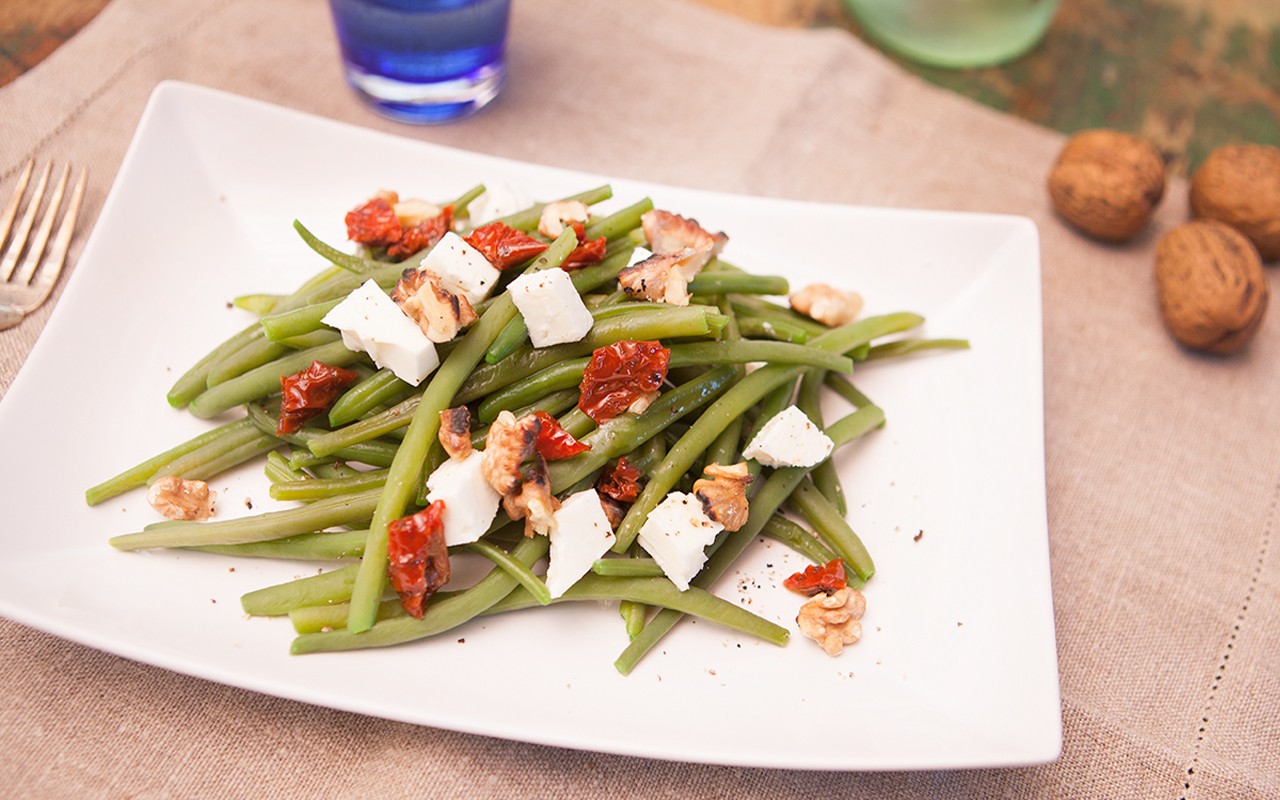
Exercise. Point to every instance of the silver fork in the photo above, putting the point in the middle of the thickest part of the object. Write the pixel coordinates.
(25, 285)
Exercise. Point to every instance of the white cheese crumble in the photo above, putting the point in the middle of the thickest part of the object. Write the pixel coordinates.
(581, 534)
(470, 503)
(552, 309)
(675, 534)
(462, 269)
(789, 439)
(371, 322)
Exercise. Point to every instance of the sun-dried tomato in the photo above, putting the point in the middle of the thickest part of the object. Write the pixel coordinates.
(587, 252)
(417, 557)
(374, 224)
(619, 373)
(621, 481)
(554, 442)
(423, 235)
(305, 394)
(827, 578)
(503, 245)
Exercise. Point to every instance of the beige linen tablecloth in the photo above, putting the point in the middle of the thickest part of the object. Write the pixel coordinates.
(1163, 466)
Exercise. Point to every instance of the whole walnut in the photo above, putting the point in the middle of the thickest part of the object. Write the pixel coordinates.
(1107, 183)
(1211, 287)
(1239, 184)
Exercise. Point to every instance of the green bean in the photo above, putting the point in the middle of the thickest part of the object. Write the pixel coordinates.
(378, 389)
(264, 380)
(335, 469)
(847, 390)
(279, 470)
(833, 528)
(139, 475)
(318, 488)
(293, 322)
(323, 619)
(315, 338)
(905, 346)
(750, 307)
(776, 489)
(278, 600)
(738, 283)
(624, 433)
(195, 380)
(527, 219)
(633, 616)
(258, 304)
(441, 615)
(620, 222)
(373, 452)
(202, 470)
(324, 546)
(402, 481)
(783, 530)
(523, 575)
(464, 200)
(254, 354)
(825, 476)
(757, 328)
(351, 509)
(631, 567)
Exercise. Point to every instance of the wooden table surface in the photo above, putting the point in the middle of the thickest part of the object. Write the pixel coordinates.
(1187, 74)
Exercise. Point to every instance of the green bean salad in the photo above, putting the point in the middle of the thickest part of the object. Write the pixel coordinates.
(599, 404)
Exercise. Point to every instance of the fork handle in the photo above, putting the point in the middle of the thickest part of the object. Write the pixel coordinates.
(10, 316)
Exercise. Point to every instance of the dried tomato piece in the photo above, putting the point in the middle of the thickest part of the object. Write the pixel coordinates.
(417, 557)
(554, 442)
(827, 578)
(587, 252)
(305, 394)
(621, 482)
(619, 373)
(374, 224)
(423, 235)
(503, 245)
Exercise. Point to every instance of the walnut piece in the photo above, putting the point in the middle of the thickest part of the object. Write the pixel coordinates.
(439, 312)
(833, 620)
(510, 443)
(455, 432)
(532, 500)
(671, 233)
(1239, 184)
(827, 304)
(659, 278)
(641, 404)
(414, 211)
(1107, 183)
(177, 498)
(556, 215)
(724, 494)
(1211, 287)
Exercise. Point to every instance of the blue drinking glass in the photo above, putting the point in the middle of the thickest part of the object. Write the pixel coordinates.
(423, 61)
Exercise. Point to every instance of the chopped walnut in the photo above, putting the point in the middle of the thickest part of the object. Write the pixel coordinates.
(176, 498)
(390, 195)
(833, 620)
(455, 432)
(641, 404)
(614, 510)
(724, 494)
(556, 215)
(439, 312)
(658, 278)
(510, 443)
(532, 501)
(827, 304)
(671, 233)
(414, 211)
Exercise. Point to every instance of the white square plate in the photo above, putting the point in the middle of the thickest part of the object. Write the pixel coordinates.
(958, 664)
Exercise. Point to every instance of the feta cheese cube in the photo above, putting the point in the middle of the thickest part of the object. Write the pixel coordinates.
(371, 322)
(581, 534)
(789, 439)
(552, 309)
(462, 269)
(498, 200)
(470, 503)
(675, 534)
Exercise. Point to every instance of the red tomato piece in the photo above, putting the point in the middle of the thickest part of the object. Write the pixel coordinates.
(503, 245)
(305, 394)
(619, 373)
(423, 235)
(417, 558)
(554, 442)
(827, 578)
(374, 224)
(621, 482)
(586, 253)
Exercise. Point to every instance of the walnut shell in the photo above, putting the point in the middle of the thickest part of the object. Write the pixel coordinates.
(1107, 183)
(1212, 291)
(1239, 184)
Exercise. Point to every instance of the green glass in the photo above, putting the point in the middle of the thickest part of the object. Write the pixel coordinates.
(955, 33)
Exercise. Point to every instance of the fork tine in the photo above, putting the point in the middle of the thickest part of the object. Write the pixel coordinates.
(36, 249)
(11, 208)
(62, 240)
(24, 226)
